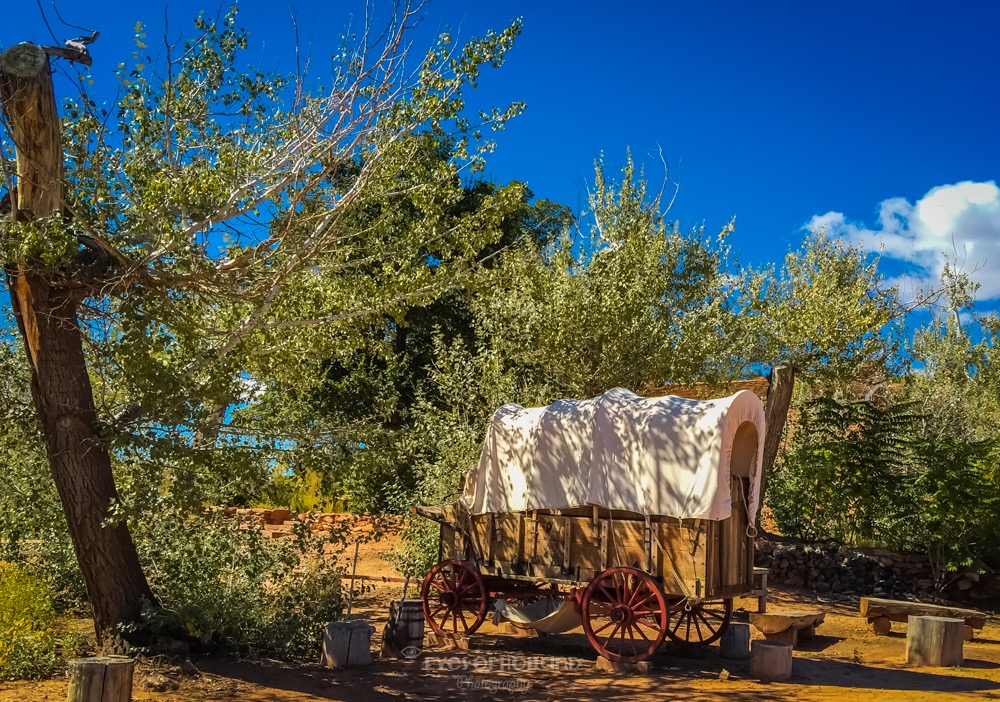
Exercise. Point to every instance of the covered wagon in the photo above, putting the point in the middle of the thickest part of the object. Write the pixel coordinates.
(629, 516)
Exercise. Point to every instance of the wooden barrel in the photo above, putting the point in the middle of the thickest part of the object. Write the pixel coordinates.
(407, 621)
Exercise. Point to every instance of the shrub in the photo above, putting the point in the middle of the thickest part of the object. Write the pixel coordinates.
(30, 645)
(850, 475)
(866, 475)
(419, 550)
(960, 505)
(237, 590)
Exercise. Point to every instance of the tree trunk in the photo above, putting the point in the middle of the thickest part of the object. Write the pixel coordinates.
(46, 314)
(779, 397)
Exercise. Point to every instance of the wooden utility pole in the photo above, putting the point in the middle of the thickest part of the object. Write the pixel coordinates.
(779, 398)
(45, 304)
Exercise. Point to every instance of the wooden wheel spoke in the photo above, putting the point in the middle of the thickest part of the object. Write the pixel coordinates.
(446, 580)
(635, 606)
(640, 631)
(465, 624)
(648, 610)
(631, 640)
(626, 591)
(697, 626)
(680, 620)
(654, 625)
(614, 631)
(709, 620)
(711, 628)
(612, 598)
(598, 631)
(638, 590)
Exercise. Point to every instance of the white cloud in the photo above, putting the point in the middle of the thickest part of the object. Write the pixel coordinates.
(960, 222)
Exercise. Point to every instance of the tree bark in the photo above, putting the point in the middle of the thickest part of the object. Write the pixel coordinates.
(779, 397)
(46, 314)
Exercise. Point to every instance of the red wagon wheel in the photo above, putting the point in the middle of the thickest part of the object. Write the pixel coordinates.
(454, 598)
(624, 614)
(700, 623)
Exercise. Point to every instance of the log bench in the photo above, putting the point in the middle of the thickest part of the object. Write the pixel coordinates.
(882, 613)
(788, 626)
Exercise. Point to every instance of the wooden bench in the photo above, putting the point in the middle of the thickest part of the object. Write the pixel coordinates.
(882, 613)
(788, 626)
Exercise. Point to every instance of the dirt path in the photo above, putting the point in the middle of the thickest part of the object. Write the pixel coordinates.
(845, 662)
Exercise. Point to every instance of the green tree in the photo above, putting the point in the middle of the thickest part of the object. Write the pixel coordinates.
(956, 385)
(205, 238)
(623, 299)
(828, 313)
(957, 382)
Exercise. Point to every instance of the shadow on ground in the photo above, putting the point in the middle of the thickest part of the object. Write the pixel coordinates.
(562, 668)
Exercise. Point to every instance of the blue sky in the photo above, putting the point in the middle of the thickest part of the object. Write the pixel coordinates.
(777, 113)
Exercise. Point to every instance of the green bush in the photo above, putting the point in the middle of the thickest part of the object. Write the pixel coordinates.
(960, 505)
(237, 590)
(849, 476)
(30, 644)
(867, 475)
(419, 550)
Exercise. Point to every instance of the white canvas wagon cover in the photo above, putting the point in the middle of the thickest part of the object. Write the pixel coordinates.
(666, 456)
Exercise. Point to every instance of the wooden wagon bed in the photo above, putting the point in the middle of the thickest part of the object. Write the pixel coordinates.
(699, 559)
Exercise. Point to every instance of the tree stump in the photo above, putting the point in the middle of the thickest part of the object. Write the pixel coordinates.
(346, 644)
(100, 679)
(770, 661)
(735, 643)
(935, 641)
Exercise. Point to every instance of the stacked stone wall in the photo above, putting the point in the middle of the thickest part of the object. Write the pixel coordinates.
(835, 568)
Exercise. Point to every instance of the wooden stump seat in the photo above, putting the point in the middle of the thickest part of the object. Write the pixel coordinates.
(788, 626)
(100, 679)
(934, 641)
(882, 613)
(770, 661)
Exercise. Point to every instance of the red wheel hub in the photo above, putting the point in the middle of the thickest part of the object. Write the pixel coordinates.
(621, 615)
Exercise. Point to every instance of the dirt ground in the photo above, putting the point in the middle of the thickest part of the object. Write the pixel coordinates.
(844, 662)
